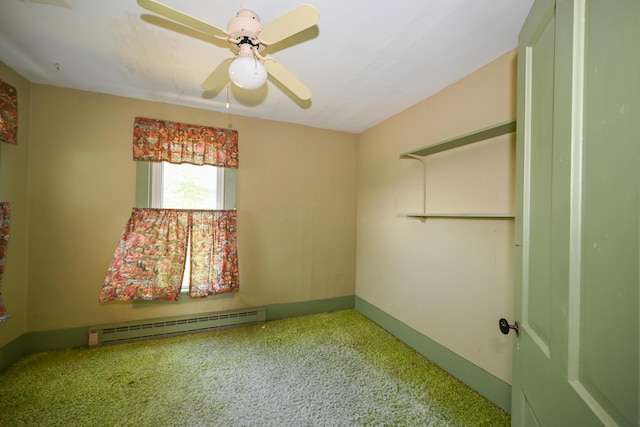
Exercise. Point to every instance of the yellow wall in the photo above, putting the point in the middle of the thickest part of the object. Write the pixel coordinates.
(13, 189)
(298, 190)
(450, 279)
(296, 194)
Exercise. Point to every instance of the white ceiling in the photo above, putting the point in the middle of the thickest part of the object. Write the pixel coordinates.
(364, 62)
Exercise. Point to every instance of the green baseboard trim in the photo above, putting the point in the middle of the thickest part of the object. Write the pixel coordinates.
(34, 342)
(12, 352)
(489, 386)
(58, 339)
(305, 308)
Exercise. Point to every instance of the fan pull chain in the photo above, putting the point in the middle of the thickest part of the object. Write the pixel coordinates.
(227, 96)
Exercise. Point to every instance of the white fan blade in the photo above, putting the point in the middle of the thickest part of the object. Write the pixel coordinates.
(284, 76)
(218, 78)
(182, 18)
(299, 19)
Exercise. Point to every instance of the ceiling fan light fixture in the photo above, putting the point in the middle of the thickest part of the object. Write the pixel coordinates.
(247, 72)
(249, 39)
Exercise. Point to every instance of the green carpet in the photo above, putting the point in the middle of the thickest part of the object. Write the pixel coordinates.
(334, 369)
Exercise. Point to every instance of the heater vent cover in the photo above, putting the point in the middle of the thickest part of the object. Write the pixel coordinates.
(156, 328)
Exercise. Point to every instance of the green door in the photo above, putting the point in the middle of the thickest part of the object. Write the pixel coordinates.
(576, 360)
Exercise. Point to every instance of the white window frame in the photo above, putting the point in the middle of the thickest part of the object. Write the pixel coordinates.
(157, 179)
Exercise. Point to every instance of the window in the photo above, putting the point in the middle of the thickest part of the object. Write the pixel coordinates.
(184, 186)
(194, 184)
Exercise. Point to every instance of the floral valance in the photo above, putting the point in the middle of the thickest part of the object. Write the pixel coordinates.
(8, 113)
(165, 141)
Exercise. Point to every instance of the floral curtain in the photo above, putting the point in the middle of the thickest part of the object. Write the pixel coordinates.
(214, 255)
(158, 141)
(5, 213)
(149, 260)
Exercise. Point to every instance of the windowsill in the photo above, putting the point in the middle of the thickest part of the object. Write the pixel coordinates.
(183, 300)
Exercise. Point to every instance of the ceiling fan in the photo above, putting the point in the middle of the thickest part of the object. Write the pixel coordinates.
(248, 39)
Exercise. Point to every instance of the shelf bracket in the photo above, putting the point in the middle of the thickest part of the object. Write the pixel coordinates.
(422, 160)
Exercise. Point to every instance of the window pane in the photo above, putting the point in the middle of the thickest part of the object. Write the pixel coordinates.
(187, 186)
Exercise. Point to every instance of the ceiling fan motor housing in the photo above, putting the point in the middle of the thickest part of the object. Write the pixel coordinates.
(244, 29)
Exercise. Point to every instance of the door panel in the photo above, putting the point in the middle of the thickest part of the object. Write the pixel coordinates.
(530, 419)
(537, 284)
(578, 215)
(533, 222)
(608, 362)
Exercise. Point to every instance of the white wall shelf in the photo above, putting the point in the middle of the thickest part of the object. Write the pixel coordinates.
(459, 215)
(459, 141)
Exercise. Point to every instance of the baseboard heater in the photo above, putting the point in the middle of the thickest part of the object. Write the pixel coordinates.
(171, 326)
